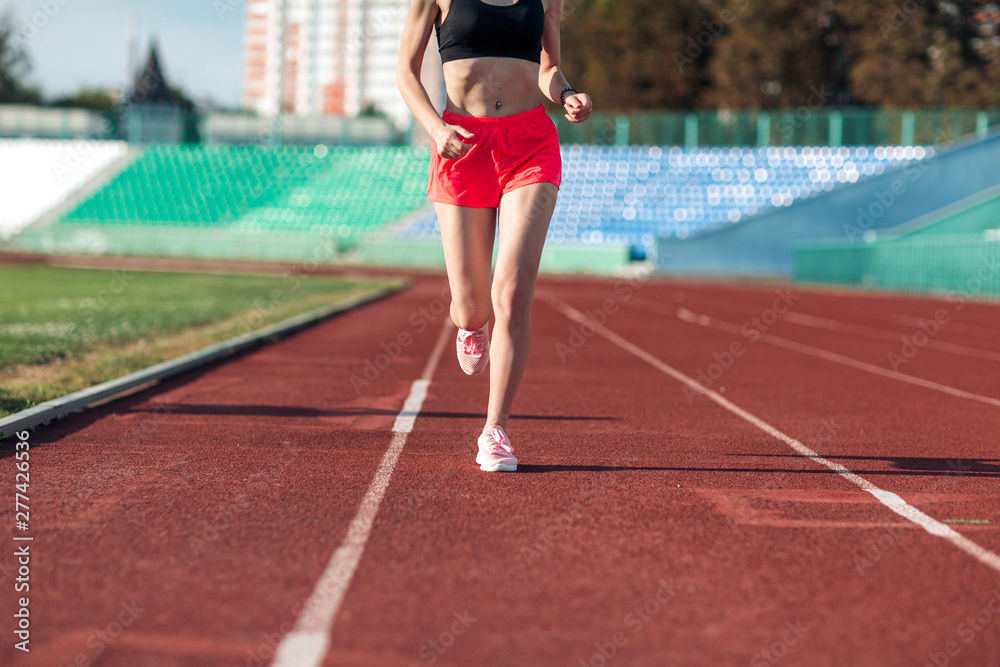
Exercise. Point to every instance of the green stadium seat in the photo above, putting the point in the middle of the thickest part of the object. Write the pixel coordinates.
(355, 190)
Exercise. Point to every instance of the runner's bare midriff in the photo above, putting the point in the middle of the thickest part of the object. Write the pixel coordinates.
(475, 85)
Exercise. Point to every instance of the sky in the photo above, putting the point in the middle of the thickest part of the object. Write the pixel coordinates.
(77, 43)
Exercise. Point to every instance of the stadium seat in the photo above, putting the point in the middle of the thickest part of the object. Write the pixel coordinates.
(350, 190)
(630, 195)
(611, 195)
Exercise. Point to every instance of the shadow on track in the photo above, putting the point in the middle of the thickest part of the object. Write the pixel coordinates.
(968, 469)
(954, 465)
(916, 465)
(291, 411)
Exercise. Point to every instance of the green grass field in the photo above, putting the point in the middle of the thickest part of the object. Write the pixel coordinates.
(63, 329)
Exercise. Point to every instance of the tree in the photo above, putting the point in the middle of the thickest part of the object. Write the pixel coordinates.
(635, 54)
(88, 98)
(15, 65)
(920, 54)
(182, 98)
(782, 53)
(657, 54)
(372, 110)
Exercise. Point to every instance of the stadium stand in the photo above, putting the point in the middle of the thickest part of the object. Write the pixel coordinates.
(37, 175)
(696, 209)
(629, 196)
(290, 188)
(273, 202)
(21, 121)
(251, 202)
(766, 245)
(953, 249)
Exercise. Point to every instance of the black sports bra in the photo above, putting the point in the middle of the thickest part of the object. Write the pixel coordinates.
(474, 29)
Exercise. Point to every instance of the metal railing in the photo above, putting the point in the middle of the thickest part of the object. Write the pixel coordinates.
(849, 126)
(783, 127)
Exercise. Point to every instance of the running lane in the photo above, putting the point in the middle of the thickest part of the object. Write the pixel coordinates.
(937, 450)
(647, 526)
(187, 525)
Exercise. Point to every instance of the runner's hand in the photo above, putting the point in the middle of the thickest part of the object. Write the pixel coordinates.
(577, 107)
(448, 141)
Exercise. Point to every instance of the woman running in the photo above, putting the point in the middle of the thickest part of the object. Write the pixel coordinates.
(495, 163)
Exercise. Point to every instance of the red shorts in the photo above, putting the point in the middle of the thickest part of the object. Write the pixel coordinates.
(507, 153)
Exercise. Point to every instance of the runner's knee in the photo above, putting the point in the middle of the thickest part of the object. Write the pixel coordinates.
(469, 313)
(512, 300)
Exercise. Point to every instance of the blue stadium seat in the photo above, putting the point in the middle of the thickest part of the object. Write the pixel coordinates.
(630, 195)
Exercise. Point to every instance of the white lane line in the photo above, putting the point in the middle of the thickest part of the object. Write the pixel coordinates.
(686, 315)
(712, 323)
(887, 498)
(882, 334)
(306, 645)
(984, 332)
(828, 324)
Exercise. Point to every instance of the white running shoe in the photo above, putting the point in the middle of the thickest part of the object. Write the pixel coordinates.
(473, 349)
(496, 454)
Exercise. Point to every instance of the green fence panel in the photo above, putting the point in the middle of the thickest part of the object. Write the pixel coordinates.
(846, 126)
(967, 265)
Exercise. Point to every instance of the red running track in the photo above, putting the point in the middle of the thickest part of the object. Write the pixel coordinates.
(648, 524)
